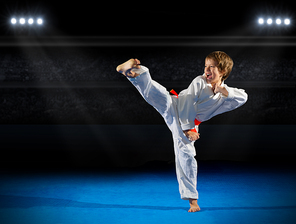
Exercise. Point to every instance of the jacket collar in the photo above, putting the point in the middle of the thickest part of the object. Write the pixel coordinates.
(208, 84)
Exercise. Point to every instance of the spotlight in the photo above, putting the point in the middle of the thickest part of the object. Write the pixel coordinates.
(31, 21)
(278, 21)
(13, 21)
(40, 21)
(269, 21)
(22, 21)
(260, 21)
(287, 21)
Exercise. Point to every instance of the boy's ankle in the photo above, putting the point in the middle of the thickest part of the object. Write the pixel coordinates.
(127, 68)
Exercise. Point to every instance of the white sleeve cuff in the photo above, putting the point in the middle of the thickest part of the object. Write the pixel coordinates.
(230, 93)
(188, 126)
(140, 70)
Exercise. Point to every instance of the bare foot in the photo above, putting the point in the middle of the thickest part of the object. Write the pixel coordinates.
(193, 206)
(126, 68)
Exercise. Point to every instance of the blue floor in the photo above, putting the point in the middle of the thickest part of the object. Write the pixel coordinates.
(229, 193)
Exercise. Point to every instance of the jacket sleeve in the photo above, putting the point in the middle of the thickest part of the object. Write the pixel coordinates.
(236, 98)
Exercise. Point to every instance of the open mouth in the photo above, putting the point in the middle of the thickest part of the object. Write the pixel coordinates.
(209, 76)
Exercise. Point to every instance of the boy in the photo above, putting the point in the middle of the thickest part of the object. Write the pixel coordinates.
(206, 96)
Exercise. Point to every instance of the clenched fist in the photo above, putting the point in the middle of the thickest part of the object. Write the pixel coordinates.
(191, 135)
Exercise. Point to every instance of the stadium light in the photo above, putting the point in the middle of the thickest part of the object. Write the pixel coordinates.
(22, 21)
(287, 21)
(31, 21)
(13, 21)
(269, 21)
(278, 21)
(261, 21)
(25, 21)
(39, 21)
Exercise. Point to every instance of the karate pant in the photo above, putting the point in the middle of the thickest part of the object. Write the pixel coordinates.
(186, 166)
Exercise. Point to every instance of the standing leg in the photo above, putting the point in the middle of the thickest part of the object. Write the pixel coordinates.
(186, 170)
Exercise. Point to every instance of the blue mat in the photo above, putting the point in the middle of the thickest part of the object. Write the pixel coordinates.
(229, 193)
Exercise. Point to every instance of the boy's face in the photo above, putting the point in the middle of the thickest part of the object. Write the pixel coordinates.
(213, 75)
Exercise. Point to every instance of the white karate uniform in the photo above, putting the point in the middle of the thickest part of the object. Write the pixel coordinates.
(196, 102)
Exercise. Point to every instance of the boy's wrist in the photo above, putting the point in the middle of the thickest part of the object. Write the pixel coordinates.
(224, 91)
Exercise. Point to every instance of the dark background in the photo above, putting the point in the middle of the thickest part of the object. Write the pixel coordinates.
(149, 18)
(63, 104)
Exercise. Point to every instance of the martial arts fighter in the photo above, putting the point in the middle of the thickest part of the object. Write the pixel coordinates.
(206, 96)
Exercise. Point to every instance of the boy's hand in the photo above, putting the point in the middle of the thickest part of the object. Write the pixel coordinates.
(217, 88)
(191, 135)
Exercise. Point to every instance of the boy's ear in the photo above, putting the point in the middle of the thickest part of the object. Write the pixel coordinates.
(223, 72)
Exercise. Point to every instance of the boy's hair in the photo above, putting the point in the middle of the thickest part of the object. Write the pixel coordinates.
(225, 63)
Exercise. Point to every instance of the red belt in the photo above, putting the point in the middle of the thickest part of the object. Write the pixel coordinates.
(196, 122)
